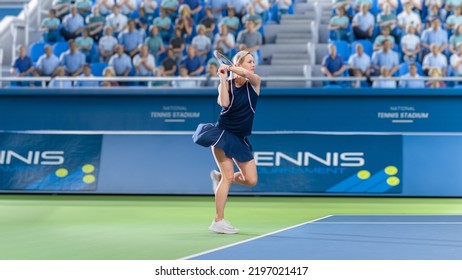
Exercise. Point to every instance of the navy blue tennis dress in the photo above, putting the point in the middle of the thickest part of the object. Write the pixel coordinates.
(233, 126)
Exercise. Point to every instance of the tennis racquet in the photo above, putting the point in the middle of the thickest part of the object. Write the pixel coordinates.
(223, 59)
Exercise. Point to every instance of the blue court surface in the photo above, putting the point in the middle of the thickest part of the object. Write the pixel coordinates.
(354, 237)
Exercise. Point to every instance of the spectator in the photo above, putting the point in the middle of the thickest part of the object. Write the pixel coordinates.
(177, 44)
(171, 8)
(363, 24)
(451, 5)
(187, 82)
(360, 62)
(150, 7)
(434, 35)
(261, 8)
(332, 64)
(95, 23)
(193, 62)
(163, 22)
(339, 25)
(121, 62)
(50, 28)
(169, 65)
(250, 40)
(217, 7)
(357, 83)
(456, 61)
(154, 43)
(455, 39)
(127, 6)
(107, 45)
(455, 19)
(85, 45)
(251, 15)
(185, 22)
(435, 60)
(61, 7)
(60, 72)
(415, 4)
(72, 25)
(86, 74)
(410, 45)
(22, 66)
(131, 39)
(410, 80)
(239, 7)
(385, 35)
(83, 7)
(388, 18)
(47, 63)
(385, 74)
(284, 5)
(407, 16)
(202, 43)
(209, 22)
(335, 4)
(141, 22)
(109, 72)
(116, 20)
(435, 73)
(196, 8)
(434, 12)
(224, 40)
(385, 57)
(357, 6)
(105, 6)
(211, 72)
(144, 63)
(231, 21)
(393, 4)
(72, 60)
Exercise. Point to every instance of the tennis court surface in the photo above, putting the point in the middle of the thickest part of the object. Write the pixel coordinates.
(355, 237)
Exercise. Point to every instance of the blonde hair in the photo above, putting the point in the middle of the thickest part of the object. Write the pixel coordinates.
(239, 57)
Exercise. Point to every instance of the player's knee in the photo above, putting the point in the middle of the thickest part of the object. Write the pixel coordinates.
(228, 178)
(251, 181)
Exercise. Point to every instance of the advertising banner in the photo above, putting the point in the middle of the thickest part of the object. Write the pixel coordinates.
(49, 162)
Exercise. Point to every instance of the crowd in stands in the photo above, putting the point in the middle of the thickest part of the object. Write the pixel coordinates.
(394, 38)
(163, 38)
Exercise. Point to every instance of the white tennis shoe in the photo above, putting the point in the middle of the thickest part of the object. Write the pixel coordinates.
(223, 226)
(216, 177)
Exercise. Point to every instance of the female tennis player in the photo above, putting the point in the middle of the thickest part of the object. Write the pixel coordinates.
(237, 95)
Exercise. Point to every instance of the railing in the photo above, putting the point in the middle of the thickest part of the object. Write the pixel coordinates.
(43, 81)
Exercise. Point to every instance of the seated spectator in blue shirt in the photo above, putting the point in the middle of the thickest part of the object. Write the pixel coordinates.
(83, 7)
(155, 43)
(384, 74)
(116, 20)
(339, 25)
(409, 81)
(211, 72)
(193, 62)
(186, 82)
(144, 64)
(141, 22)
(73, 60)
(47, 63)
(72, 24)
(121, 62)
(170, 7)
(85, 45)
(60, 72)
(231, 20)
(434, 35)
(202, 43)
(107, 45)
(150, 6)
(387, 17)
(22, 67)
(131, 39)
(455, 39)
(224, 40)
(456, 61)
(384, 35)
(357, 6)
(50, 28)
(86, 74)
(332, 64)
(127, 6)
(239, 7)
(61, 7)
(385, 57)
(363, 24)
(251, 15)
(435, 60)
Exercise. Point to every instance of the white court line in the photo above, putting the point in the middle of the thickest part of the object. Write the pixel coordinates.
(252, 239)
(190, 132)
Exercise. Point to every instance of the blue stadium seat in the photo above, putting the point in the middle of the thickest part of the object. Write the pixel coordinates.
(36, 50)
(367, 45)
(97, 68)
(343, 49)
(60, 47)
(404, 68)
